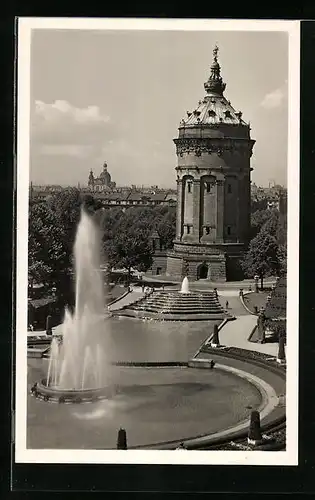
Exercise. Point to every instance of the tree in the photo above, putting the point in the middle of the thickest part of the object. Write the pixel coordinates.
(281, 236)
(47, 255)
(52, 230)
(166, 228)
(108, 222)
(129, 246)
(262, 258)
(258, 219)
(67, 206)
(259, 204)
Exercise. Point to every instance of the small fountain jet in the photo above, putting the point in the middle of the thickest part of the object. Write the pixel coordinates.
(185, 286)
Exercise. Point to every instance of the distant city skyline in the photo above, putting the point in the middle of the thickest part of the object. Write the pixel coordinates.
(271, 184)
(118, 96)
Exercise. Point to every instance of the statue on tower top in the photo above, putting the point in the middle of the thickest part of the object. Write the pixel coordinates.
(214, 84)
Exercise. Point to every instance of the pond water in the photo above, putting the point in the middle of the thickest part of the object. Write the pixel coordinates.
(154, 404)
(135, 340)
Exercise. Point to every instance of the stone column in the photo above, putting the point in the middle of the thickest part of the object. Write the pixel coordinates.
(238, 212)
(179, 209)
(220, 210)
(248, 212)
(196, 210)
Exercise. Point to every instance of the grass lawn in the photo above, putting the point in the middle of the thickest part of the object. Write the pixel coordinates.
(255, 299)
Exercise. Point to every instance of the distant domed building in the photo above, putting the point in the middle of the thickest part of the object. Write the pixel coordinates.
(213, 148)
(101, 183)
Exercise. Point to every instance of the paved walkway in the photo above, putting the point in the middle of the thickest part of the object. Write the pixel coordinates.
(127, 299)
(235, 306)
(235, 334)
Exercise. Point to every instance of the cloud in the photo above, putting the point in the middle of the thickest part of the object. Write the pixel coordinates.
(59, 110)
(275, 98)
(60, 123)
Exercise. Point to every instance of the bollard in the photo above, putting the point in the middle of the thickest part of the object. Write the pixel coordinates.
(49, 325)
(122, 439)
(281, 351)
(215, 338)
(254, 432)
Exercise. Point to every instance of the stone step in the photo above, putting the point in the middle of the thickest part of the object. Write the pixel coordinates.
(179, 299)
(184, 296)
(177, 306)
(175, 302)
(180, 306)
(205, 316)
(175, 311)
(168, 293)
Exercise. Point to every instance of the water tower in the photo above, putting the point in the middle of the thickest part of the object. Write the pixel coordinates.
(213, 149)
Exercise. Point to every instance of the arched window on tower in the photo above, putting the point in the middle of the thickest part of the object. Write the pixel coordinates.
(208, 187)
(229, 188)
(189, 185)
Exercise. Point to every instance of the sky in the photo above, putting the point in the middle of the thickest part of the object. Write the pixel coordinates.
(119, 96)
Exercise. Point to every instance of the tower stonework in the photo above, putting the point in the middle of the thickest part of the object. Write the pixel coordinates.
(213, 148)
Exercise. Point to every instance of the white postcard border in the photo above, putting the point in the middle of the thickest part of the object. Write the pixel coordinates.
(24, 455)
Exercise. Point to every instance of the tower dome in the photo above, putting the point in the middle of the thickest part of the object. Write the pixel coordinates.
(214, 109)
(105, 176)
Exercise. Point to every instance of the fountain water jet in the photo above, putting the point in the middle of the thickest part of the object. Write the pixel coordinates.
(185, 286)
(77, 362)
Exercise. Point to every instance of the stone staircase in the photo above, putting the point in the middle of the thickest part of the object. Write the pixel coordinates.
(174, 305)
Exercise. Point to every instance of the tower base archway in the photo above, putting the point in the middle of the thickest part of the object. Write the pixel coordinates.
(202, 271)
